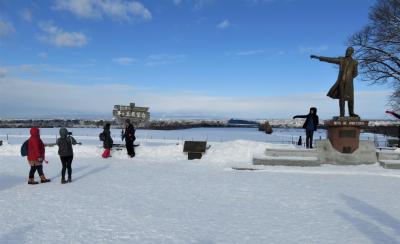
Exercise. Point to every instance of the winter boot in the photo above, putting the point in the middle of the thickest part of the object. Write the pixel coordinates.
(63, 181)
(69, 180)
(32, 181)
(43, 179)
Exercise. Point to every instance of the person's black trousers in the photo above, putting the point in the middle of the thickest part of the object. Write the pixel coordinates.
(130, 148)
(39, 169)
(309, 138)
(66, 162)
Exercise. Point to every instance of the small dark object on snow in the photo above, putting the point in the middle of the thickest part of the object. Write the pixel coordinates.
(50, 144)
(244, 168)
(195, 149)
(1, 143)
(299, 142)
(119, 147)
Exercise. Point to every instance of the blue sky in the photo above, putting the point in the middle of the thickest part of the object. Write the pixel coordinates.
(239, 58)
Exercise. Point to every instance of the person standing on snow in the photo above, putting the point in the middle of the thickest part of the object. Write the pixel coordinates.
(36, 156)
(310, 125)
(66, 153)
(129, 136)
(108, 141)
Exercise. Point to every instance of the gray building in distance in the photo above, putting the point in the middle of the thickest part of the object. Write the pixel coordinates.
(139, 116)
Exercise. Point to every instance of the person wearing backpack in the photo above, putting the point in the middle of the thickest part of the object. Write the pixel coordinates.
(310, 125)
(66, 153)
(107, 142)
(36, 156)
(129, 136)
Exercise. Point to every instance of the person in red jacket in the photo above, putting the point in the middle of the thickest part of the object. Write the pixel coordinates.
(36, 157)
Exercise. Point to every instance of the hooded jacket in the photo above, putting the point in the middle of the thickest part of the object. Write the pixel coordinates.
(65, 143)
(311, 116)
(129, 134)
(35, 147)
(108, 141)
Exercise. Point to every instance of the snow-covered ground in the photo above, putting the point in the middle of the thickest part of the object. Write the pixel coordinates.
(160, 197)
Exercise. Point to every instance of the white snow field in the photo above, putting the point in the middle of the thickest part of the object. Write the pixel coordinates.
(161, 197)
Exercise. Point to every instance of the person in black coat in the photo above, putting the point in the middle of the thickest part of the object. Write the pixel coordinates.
(66, 153)
(310, 125)
(108, 141)
(129, 136)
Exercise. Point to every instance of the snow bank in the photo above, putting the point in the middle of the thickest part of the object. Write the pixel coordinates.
(222, 153)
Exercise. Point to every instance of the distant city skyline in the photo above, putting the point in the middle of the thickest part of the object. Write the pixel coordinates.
(208, 58)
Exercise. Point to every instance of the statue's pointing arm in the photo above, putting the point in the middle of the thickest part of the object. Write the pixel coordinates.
(327, 59)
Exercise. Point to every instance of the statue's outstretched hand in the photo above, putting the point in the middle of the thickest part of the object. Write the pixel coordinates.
(313, 56)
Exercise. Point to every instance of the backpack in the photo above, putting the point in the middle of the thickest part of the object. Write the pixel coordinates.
(65, 146)
(102, 137)
(24, 148)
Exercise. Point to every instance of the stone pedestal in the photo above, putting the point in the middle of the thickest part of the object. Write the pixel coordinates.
(344, 133)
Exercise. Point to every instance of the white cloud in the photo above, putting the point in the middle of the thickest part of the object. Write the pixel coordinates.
(60, 38)
(224, 24)
(177, 2)
(3, 72)
(280, 53)
(29, 97)
(36, 68)
(114, 9)
(42, 55)
(309, 49)
(6, 28)
(196, 4)
(254, 52)
(250, 52)
(261, 1)
(124, 61)
(160, 59)
(199, 4)
(26, 15)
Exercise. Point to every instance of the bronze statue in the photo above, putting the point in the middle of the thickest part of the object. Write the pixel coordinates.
(343, 89)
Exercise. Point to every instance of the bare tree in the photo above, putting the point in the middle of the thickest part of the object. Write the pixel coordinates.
(377, 47)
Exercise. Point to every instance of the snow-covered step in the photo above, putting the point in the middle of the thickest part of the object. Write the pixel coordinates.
(390, 164)
(388, 155)
(286, 161)
(297, 152)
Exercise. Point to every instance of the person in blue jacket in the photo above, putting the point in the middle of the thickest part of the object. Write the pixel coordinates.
(310, 125)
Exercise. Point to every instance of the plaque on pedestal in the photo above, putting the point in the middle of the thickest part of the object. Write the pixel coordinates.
(344, 133)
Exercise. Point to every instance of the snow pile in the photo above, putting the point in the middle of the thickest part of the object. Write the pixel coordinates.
(223, 153)
(233, 152)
